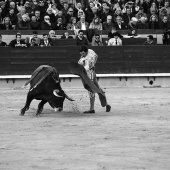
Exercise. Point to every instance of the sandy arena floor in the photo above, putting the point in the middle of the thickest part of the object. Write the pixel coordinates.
(135, 135)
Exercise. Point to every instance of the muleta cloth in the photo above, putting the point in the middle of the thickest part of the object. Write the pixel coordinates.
(88, 84)
(40, 74)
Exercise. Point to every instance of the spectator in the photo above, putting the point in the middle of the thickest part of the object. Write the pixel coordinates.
(28, 9)
(41, 7)
(72, 25)
(38, 16)
(33, 43)
(108, 24)
(112, 33)
(35, 36)
(19, 15)
(105, 12)
(2, 44)
(13, 18)
(1, 15)
(96, 24)
(60, 15)
(117, 13)
(79, 14)
(66, 35)
(164, 24)
(6, 24)
(52, 35)
(142, 24)
(82, 24)
(46, 24)
(24, 23)
(166, 7)
(149, 40)
(65, 8)
(59, 24)
(96, 40)
(13, 6)
(81, 40)
(132, 34)
(146, 6)
(69, 15)
(154, 8)
(46, 41)
(133, 24)
(153, 22)
(119, 25)
(166, 37)
(141, 14)
(34, 25)
(116, 41)
(18, 42)
(127, 16)
(54, 9)
(20, 5)
(163, 13)
(51, 15)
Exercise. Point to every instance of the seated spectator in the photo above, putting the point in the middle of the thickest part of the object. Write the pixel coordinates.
(46, 41)
(69, 15)
(2, 44)
(127, 16)
(149, 40)
(20, 14)
(60, 15)
(24, 23)
(108, 25)
(33, 43)
(35, 36)
(133, 24)
(28, 9)
(116, 41)
(119, 24)
(153, 22)
(96, 40)
(59, 24)
(13, 18)
(72, 25)
(51, 15)
(20, 5)
(52, 35)
(164, 24)
(117, 13)
(54, 9)
(96, 24)
(66, 35)
(38, 16)
(132, 34)
(82, 24)
(112, 32)
(34, 24)
(142, 24)
(81, 40)
(18, 42)
(1, 15)
(6, 24)
(46, 24)
(140, 14)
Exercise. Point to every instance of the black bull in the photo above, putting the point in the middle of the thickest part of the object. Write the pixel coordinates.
(45, 86)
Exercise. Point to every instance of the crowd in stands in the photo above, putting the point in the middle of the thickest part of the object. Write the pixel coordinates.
(82, 15)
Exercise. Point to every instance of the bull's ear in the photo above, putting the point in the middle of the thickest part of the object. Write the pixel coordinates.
(55, 92)
(68, 97)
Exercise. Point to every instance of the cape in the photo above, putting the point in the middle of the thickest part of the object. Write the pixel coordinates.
(89, 85)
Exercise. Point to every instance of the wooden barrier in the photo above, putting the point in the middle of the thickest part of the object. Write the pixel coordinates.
(112, 60)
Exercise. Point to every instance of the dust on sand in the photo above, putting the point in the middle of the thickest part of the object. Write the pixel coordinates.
(134, 135)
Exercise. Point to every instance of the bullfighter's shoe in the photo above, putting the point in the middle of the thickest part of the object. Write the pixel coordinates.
(89, 111)
(108, 108)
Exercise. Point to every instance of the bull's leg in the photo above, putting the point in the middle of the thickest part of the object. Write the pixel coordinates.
(40, 107)
(27, 104)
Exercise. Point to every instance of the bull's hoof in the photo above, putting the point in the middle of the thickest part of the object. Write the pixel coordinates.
(37, 115)
(22, 113)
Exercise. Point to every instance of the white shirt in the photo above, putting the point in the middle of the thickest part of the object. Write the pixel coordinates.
(83, 26)
(115, 42)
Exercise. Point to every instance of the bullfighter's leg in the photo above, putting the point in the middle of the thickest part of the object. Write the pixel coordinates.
(27, 104)
(40, 107)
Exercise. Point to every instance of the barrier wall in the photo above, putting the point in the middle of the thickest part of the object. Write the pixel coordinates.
(112, 60)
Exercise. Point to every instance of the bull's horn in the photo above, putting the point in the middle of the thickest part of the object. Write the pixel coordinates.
(68, 97)
(55, 92)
